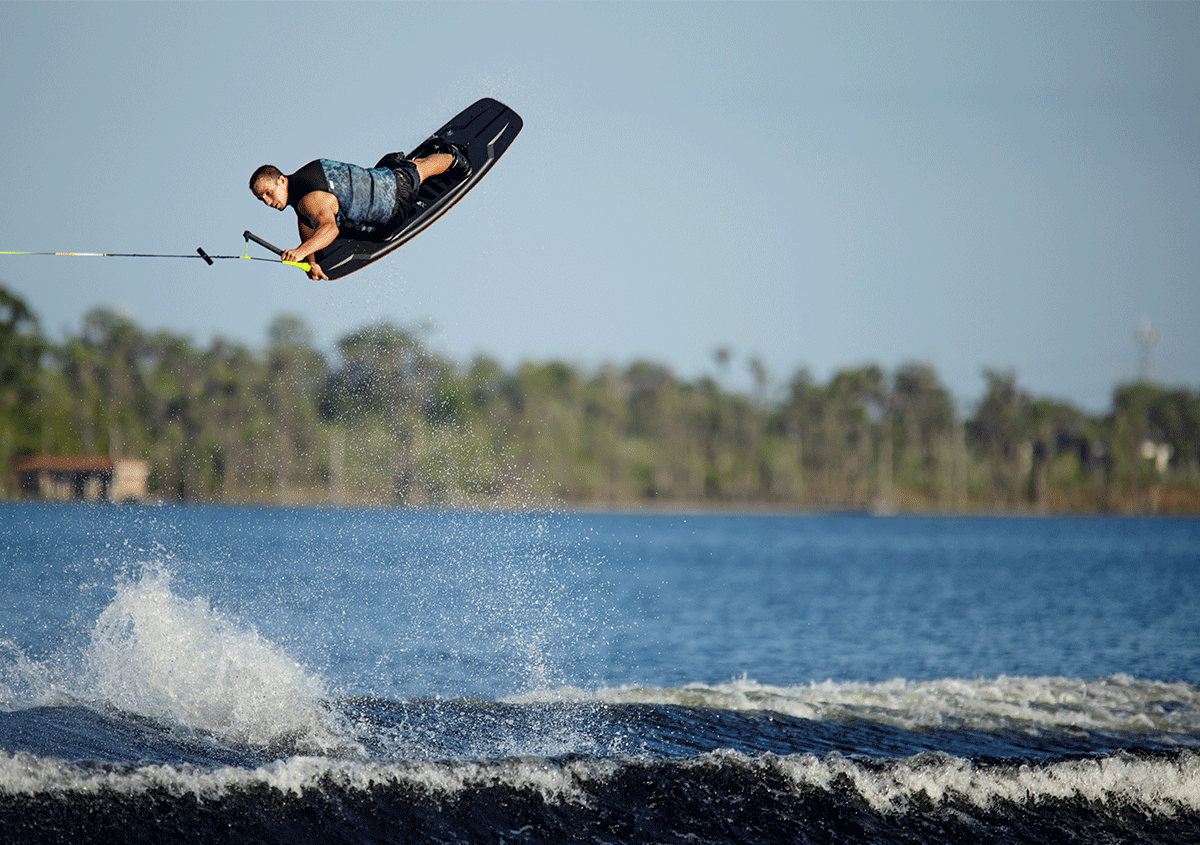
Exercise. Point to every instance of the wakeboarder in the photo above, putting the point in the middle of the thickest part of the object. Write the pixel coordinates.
(328, 196)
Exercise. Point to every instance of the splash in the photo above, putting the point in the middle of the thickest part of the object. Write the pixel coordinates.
(159, 655)
(23, 682)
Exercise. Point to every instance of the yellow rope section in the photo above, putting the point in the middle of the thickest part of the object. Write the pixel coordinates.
(303, 265)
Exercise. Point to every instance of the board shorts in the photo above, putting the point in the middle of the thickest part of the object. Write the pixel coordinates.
(408, 182)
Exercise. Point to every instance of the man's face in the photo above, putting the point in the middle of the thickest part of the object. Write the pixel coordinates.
(273, 192)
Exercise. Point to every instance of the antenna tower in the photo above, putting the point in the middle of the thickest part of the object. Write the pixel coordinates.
(1146, 337)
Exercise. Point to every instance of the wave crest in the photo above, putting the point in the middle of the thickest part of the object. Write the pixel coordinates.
(1028, 704)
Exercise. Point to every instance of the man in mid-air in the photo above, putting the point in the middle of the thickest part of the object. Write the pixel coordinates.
(328, 196)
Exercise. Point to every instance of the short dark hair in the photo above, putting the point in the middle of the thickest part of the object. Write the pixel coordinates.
(267, 171)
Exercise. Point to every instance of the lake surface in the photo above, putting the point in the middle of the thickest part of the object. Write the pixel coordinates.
(224, 674)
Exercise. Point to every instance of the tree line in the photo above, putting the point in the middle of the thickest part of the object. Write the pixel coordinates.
(387, 420)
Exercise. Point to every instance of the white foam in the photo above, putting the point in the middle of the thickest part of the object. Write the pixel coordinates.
(26, 774)
(158, 655)
(1031, 704)
(1160, 786)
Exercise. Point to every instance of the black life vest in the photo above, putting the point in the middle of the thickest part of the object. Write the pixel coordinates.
(366, 198)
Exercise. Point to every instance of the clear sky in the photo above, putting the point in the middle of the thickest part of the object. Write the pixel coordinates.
(1010, 186)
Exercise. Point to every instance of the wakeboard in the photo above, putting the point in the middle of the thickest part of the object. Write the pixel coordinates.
(483, 131)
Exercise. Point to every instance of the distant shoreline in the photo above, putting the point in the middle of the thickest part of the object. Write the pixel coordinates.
(680, 509)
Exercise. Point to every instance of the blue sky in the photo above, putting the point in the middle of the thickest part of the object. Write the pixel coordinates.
(1009, 186)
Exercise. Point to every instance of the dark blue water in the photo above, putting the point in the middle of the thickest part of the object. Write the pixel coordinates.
(225, 674)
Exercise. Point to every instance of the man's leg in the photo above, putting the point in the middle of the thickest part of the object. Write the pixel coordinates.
(434, 165)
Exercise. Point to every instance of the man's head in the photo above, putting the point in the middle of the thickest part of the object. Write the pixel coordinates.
(270, 185)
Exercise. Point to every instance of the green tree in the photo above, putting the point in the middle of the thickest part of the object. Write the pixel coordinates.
(1154, 442)
(999, 427)
(115, 348)
(295, 373)
(924, 414)
(176, 388)
(387, 377)
(21, 350)
(237, 429)
(852, 398)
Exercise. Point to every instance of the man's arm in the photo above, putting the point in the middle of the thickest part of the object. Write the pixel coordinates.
(316, 216)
